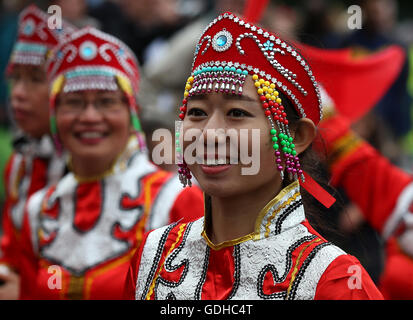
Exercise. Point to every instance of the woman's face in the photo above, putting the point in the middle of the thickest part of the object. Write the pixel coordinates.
(224, 111)
(30, 99)
(93, 124)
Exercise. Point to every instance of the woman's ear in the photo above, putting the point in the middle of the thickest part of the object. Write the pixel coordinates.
(303, 134)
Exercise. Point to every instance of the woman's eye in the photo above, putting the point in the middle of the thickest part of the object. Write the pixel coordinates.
(238, 113)
(195, 112)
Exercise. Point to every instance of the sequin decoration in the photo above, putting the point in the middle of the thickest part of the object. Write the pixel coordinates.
(29, 27)
(222, 40)
(88, 50)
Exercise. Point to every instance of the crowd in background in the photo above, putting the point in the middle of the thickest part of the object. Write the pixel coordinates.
(162, 34)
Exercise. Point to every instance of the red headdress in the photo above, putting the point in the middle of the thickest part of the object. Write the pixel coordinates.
(35, 39)
(93, 60)
(227, 52)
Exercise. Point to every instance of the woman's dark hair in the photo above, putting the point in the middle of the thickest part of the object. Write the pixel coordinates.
(314, 163)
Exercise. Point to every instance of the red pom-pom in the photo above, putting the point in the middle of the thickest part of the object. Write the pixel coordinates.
(265, 105)
(263, 98)
(267, 112)
(182, 116)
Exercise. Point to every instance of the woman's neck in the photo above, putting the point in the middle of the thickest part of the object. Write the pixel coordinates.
(235, 217)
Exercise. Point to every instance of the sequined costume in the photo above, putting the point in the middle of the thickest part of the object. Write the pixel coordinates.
(284, 258)
(90, 229)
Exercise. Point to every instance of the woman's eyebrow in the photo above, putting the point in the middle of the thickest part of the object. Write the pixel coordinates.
(240, 97)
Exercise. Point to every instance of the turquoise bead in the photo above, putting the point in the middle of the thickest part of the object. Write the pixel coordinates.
(222, 40)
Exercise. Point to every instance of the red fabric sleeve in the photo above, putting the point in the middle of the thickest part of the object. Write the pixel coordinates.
(365, 175)
(346, 279)
(28, 262)
(396, 281)
(188, 206)
(8, 242)
(132, 275)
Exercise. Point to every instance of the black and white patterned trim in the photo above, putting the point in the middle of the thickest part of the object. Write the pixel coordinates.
(273, 270)
(156, 260)
(303, 268)
(286, 212)
(198, 290)
(171, 268)
(237, 271)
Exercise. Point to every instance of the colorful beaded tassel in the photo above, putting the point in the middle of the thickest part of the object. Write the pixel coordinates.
(283, 142)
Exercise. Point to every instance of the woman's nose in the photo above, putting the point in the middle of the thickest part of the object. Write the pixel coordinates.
(90, 113)
(19, 91)
(213, 132)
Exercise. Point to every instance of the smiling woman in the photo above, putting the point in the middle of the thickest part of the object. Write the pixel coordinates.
(254, 241)
(88, 225)
(94, 126)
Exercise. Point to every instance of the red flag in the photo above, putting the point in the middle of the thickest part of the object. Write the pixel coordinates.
(355, 83)
(253, 10)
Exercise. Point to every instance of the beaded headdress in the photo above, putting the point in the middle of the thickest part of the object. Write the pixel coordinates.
(35, 39)
(93, 60)
(227, 52)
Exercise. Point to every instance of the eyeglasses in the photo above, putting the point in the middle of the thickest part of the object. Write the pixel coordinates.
(76, 105)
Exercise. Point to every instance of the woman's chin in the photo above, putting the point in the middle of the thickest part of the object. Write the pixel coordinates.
(218, 189)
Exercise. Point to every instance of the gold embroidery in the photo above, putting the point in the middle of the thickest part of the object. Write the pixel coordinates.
(152, 287)
(297, 262)
(270, 204)
(255, 235)
(286, 203)
(75, 289)
(343, 146)
(228, 243)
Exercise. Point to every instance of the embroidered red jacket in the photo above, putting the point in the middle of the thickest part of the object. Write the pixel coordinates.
(27, 171)
(284, 258)
(79, 236)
